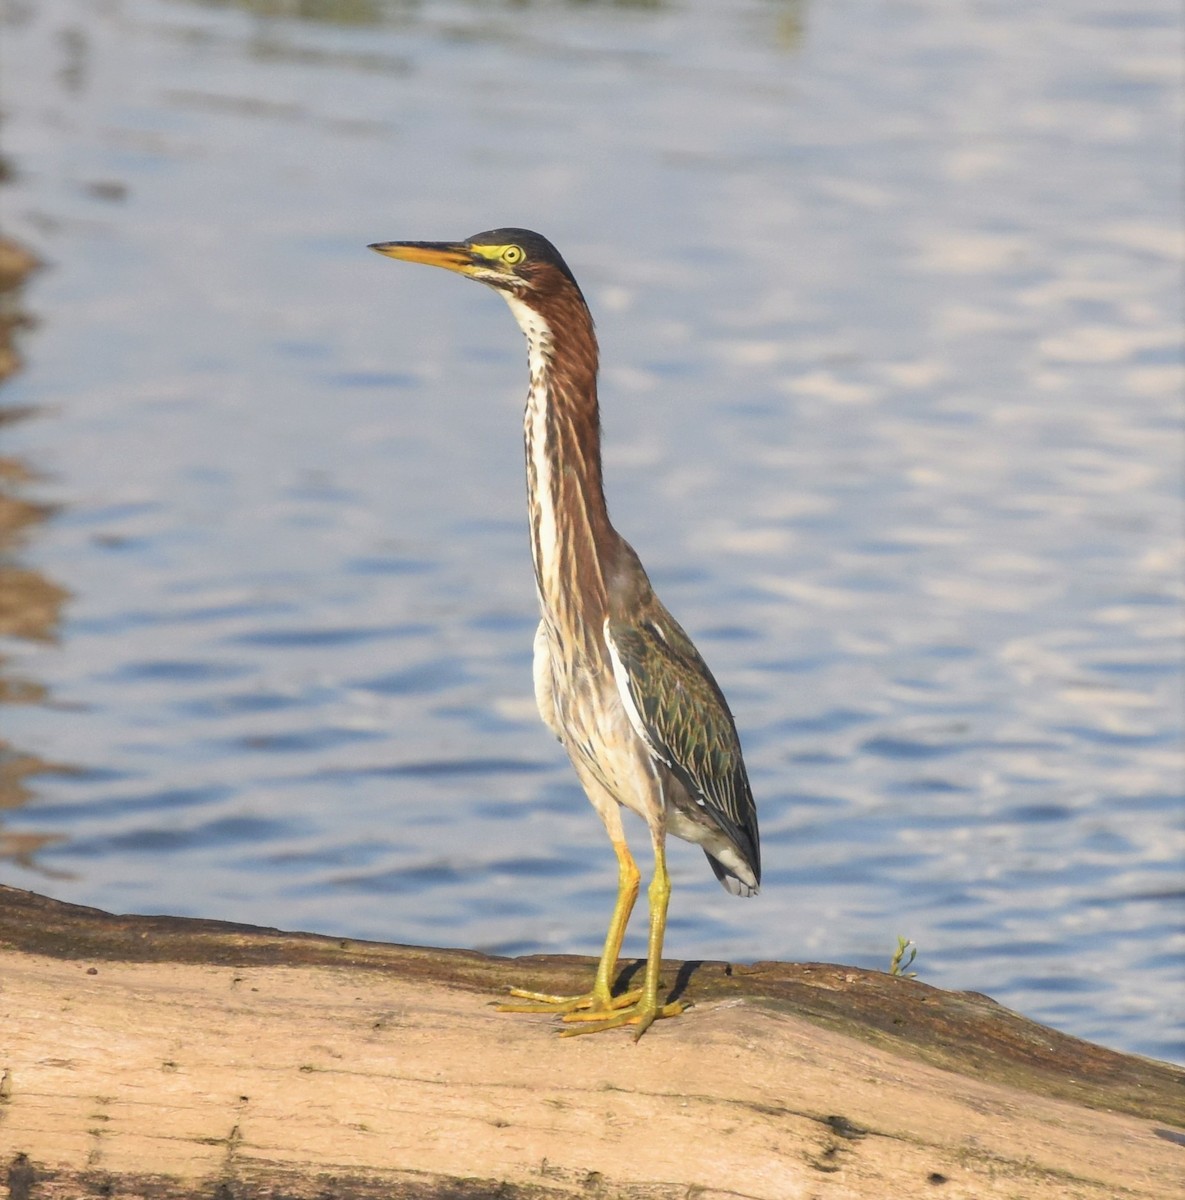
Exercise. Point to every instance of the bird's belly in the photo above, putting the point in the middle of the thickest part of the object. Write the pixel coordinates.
(599, 738)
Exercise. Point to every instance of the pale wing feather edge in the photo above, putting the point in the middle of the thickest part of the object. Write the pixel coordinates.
(727, 796)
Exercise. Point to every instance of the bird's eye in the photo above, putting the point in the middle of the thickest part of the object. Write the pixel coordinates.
(512, 255)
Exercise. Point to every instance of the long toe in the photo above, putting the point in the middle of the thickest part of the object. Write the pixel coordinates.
(540, 1001)
(591, 1006)
(641, 1015)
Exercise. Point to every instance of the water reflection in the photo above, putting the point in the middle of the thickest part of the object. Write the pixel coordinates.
(780, 23)
(30, 604)
(393, 12)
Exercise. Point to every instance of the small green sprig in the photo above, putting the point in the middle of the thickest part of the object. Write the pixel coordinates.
(899, 963)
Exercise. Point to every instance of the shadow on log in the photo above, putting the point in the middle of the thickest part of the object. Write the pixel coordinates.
(164, 1057)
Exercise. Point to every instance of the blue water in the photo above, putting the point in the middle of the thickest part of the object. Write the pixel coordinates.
(889, 301)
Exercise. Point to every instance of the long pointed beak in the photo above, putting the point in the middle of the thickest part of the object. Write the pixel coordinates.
(453, 256)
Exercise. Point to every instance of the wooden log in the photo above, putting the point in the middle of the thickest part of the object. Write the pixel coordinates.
(162, 1057)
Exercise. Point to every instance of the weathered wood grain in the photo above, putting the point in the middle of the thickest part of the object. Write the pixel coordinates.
(155, 1056)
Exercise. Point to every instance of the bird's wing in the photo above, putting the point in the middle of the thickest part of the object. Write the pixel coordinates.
(545, 682)
(678, 710)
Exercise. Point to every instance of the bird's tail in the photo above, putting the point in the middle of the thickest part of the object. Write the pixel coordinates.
(731, 880)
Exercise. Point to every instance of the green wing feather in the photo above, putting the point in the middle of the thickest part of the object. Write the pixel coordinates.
(686, 722)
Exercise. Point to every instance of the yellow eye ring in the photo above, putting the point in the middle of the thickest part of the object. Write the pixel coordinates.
(512, 255)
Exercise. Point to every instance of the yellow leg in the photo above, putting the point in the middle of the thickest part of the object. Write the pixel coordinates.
(600, 1000)
(644, 1009)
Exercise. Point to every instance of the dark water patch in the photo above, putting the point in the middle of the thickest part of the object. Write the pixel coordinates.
(980, 951)
(121, 543)
(929, 895)
(353, 855)
(1123, 17)
(560, 794)
(686, 927)
(435, 818)
(915, 683)
(1045, 869)
(131, 620)
(169, 800)
(855, 869)
(885, 746)
(314, 639)
(672, 368)
(557, 867)
(175, 671)
(488, 354)
(753, 408)
(679, 576)
(442, 768)
(1015, 745)
(230, 831)
(1108, 841)
(316, 493)
(404, 880)
(1062, 985)
(393, 564)
(1165, 599)
(834, 720)
(1112, 737)
(503, 622)
(200, 614)
(1059, 1011)
(965, 924)
(424, 679)
(1146, 802)
(929, 784)
(592, 890)
(503, 810)
(788, 802)
(512, 949)
(1171, 353)
(934, 820)
(1037, 814)
(949, 652)
(371, 379)
(798, 665)
(728, 633)
(304, 741)
(1169, 895)
(482, 528)
(864, 583)
(1168, 666)
(83, 777)
(305, 350)
(822, 525)
(1118, 89)
(103, 514)
(242, 704)
(480, 718)
(225, 833)
(884, 549)
(1169, 961)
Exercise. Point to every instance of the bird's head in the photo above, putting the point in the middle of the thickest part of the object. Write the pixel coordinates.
(517, 262)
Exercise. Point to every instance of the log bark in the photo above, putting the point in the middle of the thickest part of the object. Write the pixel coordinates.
(163, 1057)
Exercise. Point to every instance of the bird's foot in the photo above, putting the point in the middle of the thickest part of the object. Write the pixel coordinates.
(642, 1015)
(594, 1011)
(591, 1006)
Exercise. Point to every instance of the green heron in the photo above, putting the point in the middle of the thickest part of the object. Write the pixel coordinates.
(616, 678)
